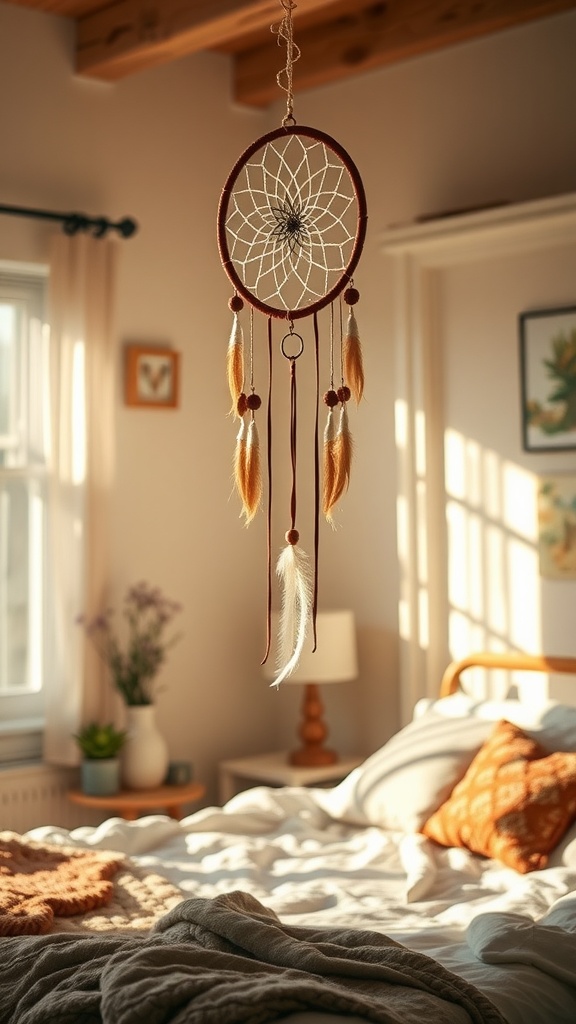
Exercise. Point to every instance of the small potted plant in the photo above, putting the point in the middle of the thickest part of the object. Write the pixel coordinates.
(100, 746)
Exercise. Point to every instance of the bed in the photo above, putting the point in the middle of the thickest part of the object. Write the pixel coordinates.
(437, 881)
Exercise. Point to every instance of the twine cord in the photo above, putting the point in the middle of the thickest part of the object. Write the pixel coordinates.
(293, 437)
(269, 510)
(331, 346)
(252, 349)
(341, 340)
(285, 33)
(316, 483)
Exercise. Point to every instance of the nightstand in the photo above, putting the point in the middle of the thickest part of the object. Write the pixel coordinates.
(274, 770)
(129, 803)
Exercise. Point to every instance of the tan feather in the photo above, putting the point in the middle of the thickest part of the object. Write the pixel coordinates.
(235, 363)
(252, 475)
(329, 465)
(352, 358)
(240, 462)
(342, 458)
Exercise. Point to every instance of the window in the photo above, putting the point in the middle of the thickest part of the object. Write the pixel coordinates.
(24, 497)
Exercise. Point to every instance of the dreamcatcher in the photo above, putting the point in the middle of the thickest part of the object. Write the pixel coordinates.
(291, 227)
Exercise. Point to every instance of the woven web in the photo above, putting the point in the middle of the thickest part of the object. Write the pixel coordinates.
(291, 222)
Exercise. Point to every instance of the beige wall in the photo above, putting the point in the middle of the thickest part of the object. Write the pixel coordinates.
(482, 122)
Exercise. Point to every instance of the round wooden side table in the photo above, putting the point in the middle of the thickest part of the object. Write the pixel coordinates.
(129, 803)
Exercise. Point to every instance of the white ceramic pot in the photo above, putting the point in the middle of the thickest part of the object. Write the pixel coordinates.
(145, 752)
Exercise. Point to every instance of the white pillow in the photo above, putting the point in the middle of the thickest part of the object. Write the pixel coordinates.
(399, 786)
(551, 723)
(564, 854)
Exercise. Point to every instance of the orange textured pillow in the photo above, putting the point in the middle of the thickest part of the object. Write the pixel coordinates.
(514, 803)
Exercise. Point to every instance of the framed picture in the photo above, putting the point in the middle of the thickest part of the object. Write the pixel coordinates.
(151, 376)
(548, 379)
(557, 526)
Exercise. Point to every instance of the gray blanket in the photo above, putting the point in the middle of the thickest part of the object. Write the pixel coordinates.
(225, 961)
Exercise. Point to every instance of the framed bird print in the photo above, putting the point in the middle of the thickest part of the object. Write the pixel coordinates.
(151, 377)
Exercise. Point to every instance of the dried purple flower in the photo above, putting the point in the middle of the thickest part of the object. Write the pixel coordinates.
(134, 666)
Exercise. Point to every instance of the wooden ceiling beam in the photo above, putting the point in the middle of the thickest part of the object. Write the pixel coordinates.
(379, 34)
(128, 35)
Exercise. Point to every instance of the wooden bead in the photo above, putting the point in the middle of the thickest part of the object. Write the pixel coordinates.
(292, 537)
(331, 399)
(235, 304)
(253, 402)
(351, 296)
(241, 404)
(344, 394)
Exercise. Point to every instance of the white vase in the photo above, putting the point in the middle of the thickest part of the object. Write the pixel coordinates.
(145, 752)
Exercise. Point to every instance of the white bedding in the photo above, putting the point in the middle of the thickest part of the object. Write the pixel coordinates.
(352, 857)
(513, 936)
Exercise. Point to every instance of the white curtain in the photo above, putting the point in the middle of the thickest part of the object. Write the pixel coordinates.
(82, 361)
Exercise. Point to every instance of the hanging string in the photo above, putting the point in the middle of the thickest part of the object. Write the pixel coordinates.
(293, 568)
(284, 31)
(269, 511)
(341, 319)
(332, 345)
(252, 348)
(293, 437)
(316, 482)
(353, 363)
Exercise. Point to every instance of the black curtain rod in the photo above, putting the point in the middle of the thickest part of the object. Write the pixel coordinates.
(72, 223)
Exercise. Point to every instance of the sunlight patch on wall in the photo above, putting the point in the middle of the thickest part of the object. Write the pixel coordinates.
(493, 591)
(491, 485)
(412, 531)
(402, 542)
(423, 619)
(422, 530)
(496, 582)
(523, 597)
(401, 425)
(519, 507)
(489, 512)
(420, 443)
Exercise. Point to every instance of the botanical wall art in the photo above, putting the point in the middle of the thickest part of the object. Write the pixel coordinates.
(557, 526)
(548, 378)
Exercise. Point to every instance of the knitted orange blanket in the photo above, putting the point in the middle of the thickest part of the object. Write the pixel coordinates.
(40, 881)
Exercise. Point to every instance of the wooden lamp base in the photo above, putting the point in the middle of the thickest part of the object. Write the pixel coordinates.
(313, 732)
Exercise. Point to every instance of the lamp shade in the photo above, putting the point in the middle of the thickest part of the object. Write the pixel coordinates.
(335, 659)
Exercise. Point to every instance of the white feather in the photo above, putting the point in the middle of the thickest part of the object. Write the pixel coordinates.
(330, 428)
(236, 333)
(293, 569)
(241, 435)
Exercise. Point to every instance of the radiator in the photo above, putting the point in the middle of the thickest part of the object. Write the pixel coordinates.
(36, 794)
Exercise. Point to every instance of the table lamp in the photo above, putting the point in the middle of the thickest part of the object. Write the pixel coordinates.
(335, 660)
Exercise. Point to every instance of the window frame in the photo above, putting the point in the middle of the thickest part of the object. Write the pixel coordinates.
(22, 714)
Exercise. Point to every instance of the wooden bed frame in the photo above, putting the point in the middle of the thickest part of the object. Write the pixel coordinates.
(509, 660)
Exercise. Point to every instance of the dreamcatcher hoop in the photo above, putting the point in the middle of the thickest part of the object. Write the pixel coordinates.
(282, 221)
(291, 227)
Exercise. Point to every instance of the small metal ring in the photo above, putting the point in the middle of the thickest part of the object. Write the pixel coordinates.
(292, 334)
